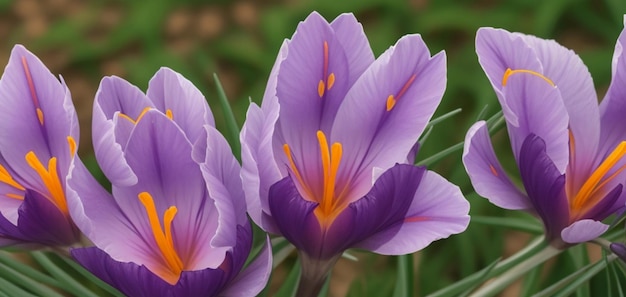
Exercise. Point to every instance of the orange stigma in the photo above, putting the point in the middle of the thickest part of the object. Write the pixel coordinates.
(50, 178)
(163, 238)
(509, 72)
(391, 99)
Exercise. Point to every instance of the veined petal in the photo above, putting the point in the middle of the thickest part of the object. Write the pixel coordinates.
(37, 104)
(221, 171)
(583, 230)
(161, 156)
(487, 175)
(573, 80)
(251, 280)
(613, 106)
(311, 83)
(387, 109)
(539, 110)
(357, 48)
(98, 216)
(169, 90)
(295, 219)
(436, 209)
(545, 186)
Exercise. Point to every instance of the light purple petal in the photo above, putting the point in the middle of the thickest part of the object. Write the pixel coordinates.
(499, 50)
(539, 110)
(613, 106)
(583, 230)
(571, 76)
(25, 87)
(160, 155)
(97, 215)
(221, 171)
(251, 280)
(259, 169)
(350, 34)
(169, 90)
(487, 175)
(437, 210)
(374, 134)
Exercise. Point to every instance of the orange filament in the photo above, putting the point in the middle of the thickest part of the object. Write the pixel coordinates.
(391, 102)
(72, 145)
(6, 178)
(510, 72)
(50, 178)
(295, 171)
(163, 237)
(33, 91)
(586, 198)
(391, 99)
(331, 158)
(143, 112)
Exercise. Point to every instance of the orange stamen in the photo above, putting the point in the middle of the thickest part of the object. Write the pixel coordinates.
(391, 99)
(33, 91)
(143, 112)
(331, 158)
(295, 171)
(6, 178)
(510, 72)
(331, 80)
(320, 88)
(163, 237)
(169, 114)
(50, 178)
(72, 145)
(585, 197)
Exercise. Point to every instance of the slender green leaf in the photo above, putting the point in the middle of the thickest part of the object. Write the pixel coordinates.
(12, 290)
(32, 273)
(26, 283)
(571, 283)
(531, 281)
(69, 283)
(232, 128)
(482, 278)
(290, 285)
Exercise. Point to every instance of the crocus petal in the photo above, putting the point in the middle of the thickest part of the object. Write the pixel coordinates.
(613, 106)
(161, 156)
(26, 87)
(259, 169)
(115, 96)
(129, 278)
(36, 216)
(544, 185)
(169, 90)
(499, 50)
(487, 175)
(221, 171)
(436, 209)
(98, 216)
(350, 34)
(253, 279)
(295, 218)
(539, 110)
(571, 76)
(583, 230)
(393, 124)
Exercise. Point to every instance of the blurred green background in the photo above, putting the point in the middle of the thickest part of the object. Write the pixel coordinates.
(86, 40)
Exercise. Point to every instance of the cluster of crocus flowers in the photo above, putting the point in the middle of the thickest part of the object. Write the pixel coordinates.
(325, 157)
(570, 152)
(175, 223)
(38, 142)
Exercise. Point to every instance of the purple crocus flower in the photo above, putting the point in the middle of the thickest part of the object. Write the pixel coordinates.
(324, 157)
(569, 151)
(38, 142)
(175, 224)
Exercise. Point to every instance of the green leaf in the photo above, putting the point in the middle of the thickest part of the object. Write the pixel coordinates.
(32, 273)
(290, 285)
(572, 282)
(12, 290)
(232, 128)
(25, 282)
(70, 284)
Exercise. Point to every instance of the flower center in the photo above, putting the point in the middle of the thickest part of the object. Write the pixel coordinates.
(162, 235)
(330, 205)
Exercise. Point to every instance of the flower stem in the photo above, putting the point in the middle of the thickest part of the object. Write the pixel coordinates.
(314, 274)
(516, 272)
